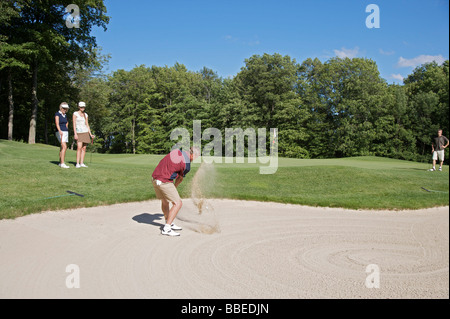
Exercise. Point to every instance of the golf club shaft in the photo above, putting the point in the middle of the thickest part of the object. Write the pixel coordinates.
(59, 196)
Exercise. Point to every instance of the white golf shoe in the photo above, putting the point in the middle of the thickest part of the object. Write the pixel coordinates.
(175, 227)
(169, 232)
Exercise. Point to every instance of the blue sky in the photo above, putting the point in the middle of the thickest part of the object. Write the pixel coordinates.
(222, 34)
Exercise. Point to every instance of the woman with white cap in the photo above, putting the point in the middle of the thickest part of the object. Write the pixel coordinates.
(62, 125)
(82, 133)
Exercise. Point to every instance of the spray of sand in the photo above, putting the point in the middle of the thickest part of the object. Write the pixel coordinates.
(200, 216)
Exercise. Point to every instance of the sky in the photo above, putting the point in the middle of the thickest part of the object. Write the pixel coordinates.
(220, 35)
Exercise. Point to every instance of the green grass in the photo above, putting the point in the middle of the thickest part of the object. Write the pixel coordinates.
(29, 175)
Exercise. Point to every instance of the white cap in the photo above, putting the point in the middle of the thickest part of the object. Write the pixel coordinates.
(64, 105)
(81, 104)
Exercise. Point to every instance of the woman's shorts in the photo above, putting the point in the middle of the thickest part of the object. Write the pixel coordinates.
(84, 137)
(65, 137)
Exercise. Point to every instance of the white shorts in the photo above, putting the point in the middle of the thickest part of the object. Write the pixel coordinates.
(65, 137)
(439, 154)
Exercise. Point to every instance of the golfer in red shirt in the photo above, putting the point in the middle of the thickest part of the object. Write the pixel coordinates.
(166, 177)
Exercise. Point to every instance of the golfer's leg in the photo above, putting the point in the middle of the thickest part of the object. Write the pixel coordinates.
(83, 153)
(63, 152)
(434, 158)
(174, 211)
(79, 148)
(170, 194)
(165, 207)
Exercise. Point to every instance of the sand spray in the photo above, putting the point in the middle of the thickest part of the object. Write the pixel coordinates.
(200, 216)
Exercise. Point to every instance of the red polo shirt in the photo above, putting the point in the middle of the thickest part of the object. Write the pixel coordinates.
(173, 164)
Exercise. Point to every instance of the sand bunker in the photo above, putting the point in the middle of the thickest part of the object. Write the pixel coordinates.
(263, 250)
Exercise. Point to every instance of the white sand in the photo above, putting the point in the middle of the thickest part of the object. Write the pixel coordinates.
(263, 250)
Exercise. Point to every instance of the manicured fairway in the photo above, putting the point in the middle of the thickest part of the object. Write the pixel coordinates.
(30, 178)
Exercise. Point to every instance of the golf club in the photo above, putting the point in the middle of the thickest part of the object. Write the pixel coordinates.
(70, 193)
(432, 191)
(92, 149)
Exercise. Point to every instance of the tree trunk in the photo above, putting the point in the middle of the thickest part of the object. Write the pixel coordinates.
(46, 131)
(133, 124)
(35, 102)
(11, 107)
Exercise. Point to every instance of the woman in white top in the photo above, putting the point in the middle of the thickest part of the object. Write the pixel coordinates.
(82, 133)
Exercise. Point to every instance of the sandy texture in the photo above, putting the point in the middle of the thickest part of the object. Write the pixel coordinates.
(243, 250)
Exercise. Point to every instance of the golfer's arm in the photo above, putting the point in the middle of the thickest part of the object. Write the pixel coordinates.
(178, 180)
(89, 128)
(74, 122)
(57, 124)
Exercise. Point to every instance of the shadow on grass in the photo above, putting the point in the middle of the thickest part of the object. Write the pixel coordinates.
(70, 163)
(412, 169)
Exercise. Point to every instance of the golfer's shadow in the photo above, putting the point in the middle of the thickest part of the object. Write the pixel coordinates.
(149, 219)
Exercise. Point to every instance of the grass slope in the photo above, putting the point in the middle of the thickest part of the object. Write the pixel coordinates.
(30, 176)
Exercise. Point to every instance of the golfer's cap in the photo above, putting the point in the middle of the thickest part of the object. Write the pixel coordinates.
(81, 104)
(64, 105)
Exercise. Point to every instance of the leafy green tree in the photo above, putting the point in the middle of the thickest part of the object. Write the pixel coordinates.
(266, 85)
(184, 96)
(427, 89)
(314, 95)
(265, 82)
(348, 96)
(43, 24)
(393, 135)
(131, 94)
(12, 55)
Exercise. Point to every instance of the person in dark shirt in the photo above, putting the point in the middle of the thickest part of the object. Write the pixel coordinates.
(439, 145)
(62, 134)
(166, 177)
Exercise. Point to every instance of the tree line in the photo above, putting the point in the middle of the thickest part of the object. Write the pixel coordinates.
(336, 108)
(339, 108)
